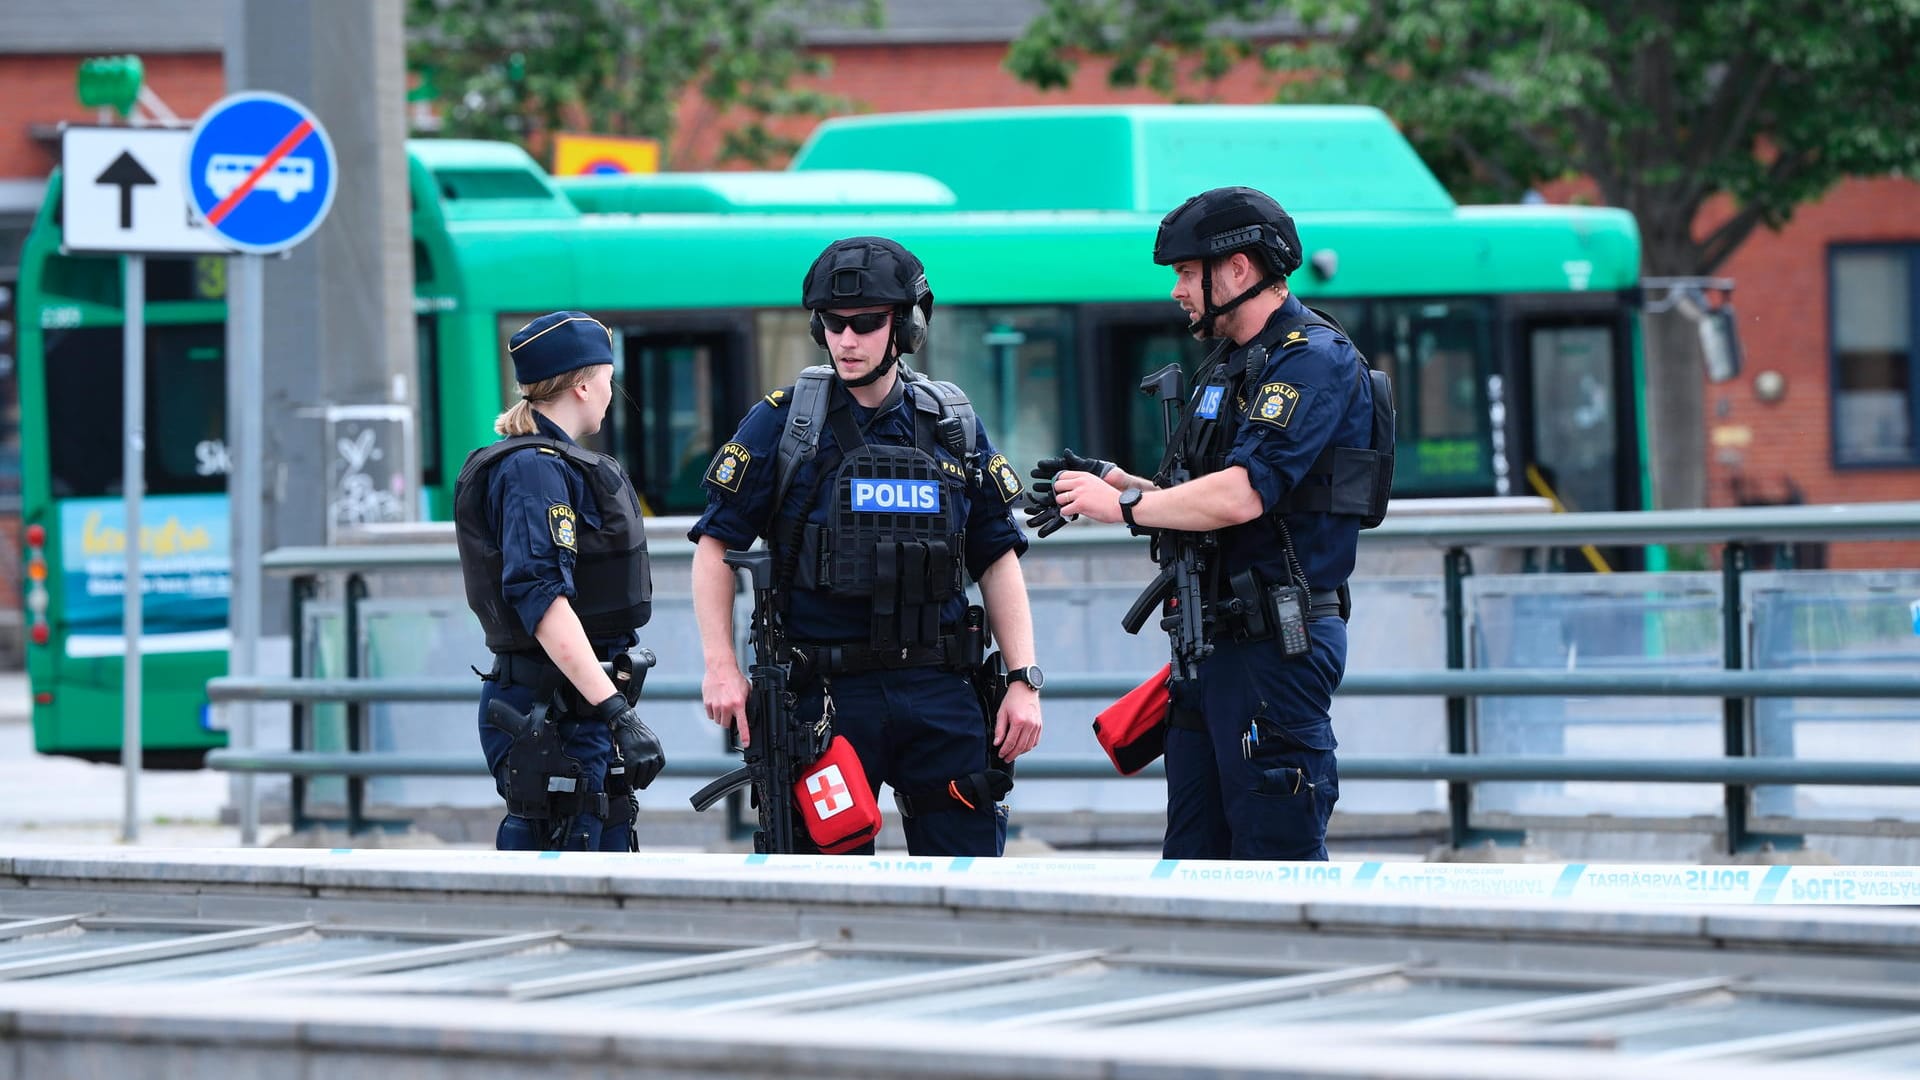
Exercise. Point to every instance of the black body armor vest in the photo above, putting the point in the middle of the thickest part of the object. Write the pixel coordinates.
(612, 577)
(895, 533)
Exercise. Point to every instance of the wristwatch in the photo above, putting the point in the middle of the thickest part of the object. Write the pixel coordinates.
(1129, 499)
(1031, 675)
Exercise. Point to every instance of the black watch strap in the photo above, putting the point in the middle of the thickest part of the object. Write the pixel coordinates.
(1127, 505)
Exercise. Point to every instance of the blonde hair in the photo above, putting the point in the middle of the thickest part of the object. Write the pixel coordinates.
(518, 419)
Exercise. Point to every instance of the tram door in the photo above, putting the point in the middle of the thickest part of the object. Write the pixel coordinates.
(1125, 347)
(681, 389)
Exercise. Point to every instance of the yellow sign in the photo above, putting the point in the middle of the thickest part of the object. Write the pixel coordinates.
(597, 155)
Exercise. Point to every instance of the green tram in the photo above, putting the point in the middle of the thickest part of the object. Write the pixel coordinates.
(1510, 331)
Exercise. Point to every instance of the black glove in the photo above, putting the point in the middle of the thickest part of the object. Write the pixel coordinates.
(1043, 513)
(638, 746)
(1068, 460)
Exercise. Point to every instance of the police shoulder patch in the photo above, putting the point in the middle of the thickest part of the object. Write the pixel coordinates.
(776, 398)
(1004, 477)
(1275, 404)
(1294, 337)
(561, 522)
(729, 465)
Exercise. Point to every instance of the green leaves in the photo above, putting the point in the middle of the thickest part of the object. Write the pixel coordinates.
(1663, 103)
(621, 67)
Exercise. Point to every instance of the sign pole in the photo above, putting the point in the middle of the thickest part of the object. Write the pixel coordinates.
(133, 465)
(245, 300)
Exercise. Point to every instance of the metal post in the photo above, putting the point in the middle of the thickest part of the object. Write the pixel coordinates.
(133, 466)
(304, 588)
(1461, 831)
(1459, 795)
(356, 592)
(1733, 713)
(245, 303)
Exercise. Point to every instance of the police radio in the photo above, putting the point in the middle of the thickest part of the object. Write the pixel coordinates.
(952, 435)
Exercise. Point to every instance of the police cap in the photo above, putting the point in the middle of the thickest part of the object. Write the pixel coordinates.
(866, 271)
(1217, 223)
(558, 343)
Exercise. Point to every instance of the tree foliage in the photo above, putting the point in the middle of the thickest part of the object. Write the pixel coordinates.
(1663, 103)
(501, 68)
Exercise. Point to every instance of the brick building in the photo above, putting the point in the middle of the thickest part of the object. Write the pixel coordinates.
(1827, 306)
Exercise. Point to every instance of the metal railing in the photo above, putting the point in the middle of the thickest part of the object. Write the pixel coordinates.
(1740, 531)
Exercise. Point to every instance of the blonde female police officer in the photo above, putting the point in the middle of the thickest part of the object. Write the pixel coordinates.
(555, 564)
(1250, 751)
(870, 581)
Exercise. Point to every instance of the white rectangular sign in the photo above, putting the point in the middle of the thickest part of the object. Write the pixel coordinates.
(124, 190)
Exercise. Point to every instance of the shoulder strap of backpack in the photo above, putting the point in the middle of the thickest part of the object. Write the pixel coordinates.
(800, 438)
(948, 400)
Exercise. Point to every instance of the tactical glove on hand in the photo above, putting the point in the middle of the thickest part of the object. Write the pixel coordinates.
(1043, 512)
(1070, 461)
(639, 747)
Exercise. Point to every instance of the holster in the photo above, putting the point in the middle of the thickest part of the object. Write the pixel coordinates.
(1133, 730)
(836, 802)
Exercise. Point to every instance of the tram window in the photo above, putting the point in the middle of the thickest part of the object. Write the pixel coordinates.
(427, 354)
(1440, 354)
(185, 414)
(1137, 351)
(785, 349)
(1014, 364)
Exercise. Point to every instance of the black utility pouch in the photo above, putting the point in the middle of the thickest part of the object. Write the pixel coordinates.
(1287, 614)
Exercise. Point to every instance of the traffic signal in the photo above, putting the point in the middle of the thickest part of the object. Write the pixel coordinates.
(110, 82)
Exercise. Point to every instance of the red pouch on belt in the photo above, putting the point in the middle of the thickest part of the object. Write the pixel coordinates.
(1133, 730)
(836, 801)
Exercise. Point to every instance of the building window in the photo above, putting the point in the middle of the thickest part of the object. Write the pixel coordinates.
(1876, 409)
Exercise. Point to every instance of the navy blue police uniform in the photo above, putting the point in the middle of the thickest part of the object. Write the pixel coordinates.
(533, 525)
(915, 728)
(538, 549)
(1250, 761)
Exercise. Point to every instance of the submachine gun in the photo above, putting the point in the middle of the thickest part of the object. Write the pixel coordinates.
(779, 751)
(1183, 556)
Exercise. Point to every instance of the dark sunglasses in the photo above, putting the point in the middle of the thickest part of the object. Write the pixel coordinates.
(862, 324)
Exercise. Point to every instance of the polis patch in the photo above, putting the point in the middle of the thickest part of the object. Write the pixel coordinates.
(1209, 406)
(878, 496)
(1275, 404)
(560, 522)
(729, 465)
(1004, 477)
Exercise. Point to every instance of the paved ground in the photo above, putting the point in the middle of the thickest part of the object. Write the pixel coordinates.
(61, 800)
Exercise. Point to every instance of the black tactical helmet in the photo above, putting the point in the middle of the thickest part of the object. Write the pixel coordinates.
(1217, 223)
(866, 271)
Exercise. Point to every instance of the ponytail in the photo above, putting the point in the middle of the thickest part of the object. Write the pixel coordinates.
(518, 419)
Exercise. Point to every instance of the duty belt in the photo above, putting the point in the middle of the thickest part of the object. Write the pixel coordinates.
(533, 669)
(1326, 606)
(840, 659)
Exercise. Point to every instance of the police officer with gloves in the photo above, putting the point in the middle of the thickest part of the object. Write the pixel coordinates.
(554, 559)
(878, 494)
(1275, 447)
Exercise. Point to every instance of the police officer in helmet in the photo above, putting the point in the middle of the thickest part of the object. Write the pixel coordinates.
(1250, 746)
(555, 564)
(874, 529)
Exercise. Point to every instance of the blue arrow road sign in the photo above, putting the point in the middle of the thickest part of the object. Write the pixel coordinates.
(260, 171)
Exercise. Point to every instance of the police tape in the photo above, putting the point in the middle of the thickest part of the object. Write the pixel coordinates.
(1566, 882)
(1614, 883)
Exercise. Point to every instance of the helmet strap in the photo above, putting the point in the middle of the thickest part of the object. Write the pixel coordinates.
(879, 372)
(1204, 325)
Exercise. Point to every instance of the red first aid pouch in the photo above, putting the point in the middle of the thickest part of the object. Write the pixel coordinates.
(835, 800)
(1133, 730)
